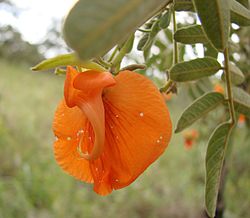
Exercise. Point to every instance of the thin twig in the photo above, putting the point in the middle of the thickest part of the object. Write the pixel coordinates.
(175, 52)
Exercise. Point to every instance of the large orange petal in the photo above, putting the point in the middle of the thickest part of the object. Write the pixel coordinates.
(68, 125)
(138, 127)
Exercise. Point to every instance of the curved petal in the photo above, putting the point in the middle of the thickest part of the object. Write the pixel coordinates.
(89, 100)
(138, 128)
(67, 126)
(85, 91)
(70, 92)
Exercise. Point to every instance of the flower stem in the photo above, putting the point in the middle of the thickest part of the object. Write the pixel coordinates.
(113, 54)
(229, 87)
(124, 50)
(166, 86)
(103, 63)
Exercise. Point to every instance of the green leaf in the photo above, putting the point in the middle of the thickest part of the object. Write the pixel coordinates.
(147, 51)
(239, 14)
(184, 5)
(160, 44)
(150, 41)
(155, 29)
(148, 25)
(237, 77)
(199, 108)
(210, 51)
(194, 69)
(143, 42)
(215, 19)
(190, 35)
(241, 101)
(214, 162)
(165, 20)
(126, 48)
(64, 60)
(92, 27)
(168, 34)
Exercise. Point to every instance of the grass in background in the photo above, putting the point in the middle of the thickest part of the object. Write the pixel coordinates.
(32, 184)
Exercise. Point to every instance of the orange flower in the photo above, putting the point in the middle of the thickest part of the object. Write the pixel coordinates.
(242, 119)
(219, 88)
(190, 138)
(109, 129)
(188, 143)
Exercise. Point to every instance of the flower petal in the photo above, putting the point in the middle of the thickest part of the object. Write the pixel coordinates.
(67, 125)
(138, 128)
(70, 93)
(89, 99)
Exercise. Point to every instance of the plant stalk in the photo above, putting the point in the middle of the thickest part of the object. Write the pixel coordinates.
(175, 52)
(166, 86)
(229, 87)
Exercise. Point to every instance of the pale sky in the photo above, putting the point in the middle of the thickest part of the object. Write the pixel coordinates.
(36, 16)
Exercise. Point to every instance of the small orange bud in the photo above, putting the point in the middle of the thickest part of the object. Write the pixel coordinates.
(218, 88)
(188, 143)
(190, 138)
(241, 120)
